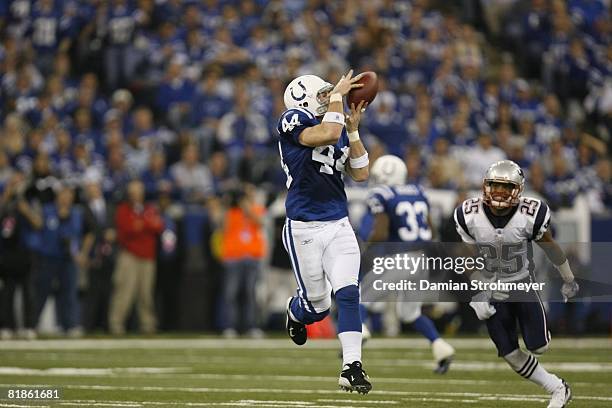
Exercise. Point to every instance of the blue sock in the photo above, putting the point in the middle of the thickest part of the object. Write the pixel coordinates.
(347, 301)
(303, 315)
(363, 312)
(425, 326)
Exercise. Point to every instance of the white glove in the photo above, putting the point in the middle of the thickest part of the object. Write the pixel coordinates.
(482, 307)
(569, 290)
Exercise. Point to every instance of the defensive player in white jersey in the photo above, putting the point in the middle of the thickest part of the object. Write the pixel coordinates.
(503, 225)
(399, 213)
(318, 145)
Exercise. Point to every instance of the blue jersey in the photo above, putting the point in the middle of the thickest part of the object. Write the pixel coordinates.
(314, 174)
(407, 209)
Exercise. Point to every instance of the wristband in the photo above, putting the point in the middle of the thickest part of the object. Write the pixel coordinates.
(353, 136)
(360, 162)
(565, 271)
(335, 97)
(334, 117)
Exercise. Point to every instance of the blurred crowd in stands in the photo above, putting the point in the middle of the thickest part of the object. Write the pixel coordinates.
(125, 121)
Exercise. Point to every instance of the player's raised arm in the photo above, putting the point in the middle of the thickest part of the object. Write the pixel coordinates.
(557, 257)
(358, 156)
(329, 130)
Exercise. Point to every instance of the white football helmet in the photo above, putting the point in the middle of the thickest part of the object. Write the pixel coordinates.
(503, 172)
(308, 92)
(389, 170)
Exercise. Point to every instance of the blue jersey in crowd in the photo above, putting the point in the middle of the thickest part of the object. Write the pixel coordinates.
(407, 209)
(314, 174)
(60, 238)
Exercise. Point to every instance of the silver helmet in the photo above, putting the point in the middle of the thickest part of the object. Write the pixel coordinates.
(503, 172)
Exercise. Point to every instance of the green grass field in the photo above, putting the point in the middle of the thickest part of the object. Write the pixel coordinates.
(210, 372)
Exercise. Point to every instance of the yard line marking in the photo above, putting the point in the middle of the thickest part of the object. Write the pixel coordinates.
(237, 403)
(182, 403)
(430, 399)
(276, 344)
(101, 404)
(93, 372)
(276, 402)
(133, 372)
(304, 378)
(285, 391)
(421, 363)
(21, 406)
(369, 401)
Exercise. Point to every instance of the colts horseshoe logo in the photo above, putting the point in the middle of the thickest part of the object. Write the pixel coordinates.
(303, 92)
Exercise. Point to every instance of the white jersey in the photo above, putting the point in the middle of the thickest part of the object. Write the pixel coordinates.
(504, 241)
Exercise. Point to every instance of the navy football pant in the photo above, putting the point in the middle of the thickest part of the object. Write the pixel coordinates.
(528, 315)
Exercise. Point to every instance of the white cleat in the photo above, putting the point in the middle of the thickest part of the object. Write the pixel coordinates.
(561, 396)
(443, 355)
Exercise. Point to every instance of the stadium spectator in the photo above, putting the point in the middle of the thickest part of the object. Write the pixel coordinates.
(478, 158)
(138, 227)
(449, 167)
(156, 178)
(241, 128)
(169, 264)
(119, 22)
(243, 247)
(61, 237)
(100, 252)
(16, 218)
(602, 186)
(387, 124)
(175, 93)
(561, 187)
(192, 178)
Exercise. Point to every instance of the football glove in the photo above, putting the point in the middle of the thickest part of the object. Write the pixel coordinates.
(569, 290)
(482, 307)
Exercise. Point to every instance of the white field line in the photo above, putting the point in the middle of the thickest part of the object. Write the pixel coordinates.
(368, 401)
(445, 400)
(265, 404)
(238, 403)
(90, 372)
(101, 404)
(391, 362)
(217, 343)
(381, 380)
(179, 373)
(286, 391)
(21, 406)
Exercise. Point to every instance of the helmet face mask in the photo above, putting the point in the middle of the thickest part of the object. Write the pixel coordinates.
(503, 184)
(323, 98)
(308, 92)
(501, 195)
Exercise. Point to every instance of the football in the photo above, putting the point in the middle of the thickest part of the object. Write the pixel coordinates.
(367, 92)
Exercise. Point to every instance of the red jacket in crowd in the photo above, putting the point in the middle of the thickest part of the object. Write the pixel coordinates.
(137, 229)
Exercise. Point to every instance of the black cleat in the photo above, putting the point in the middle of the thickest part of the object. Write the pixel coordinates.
(295, 330)
(443, 366)
(353, 378)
